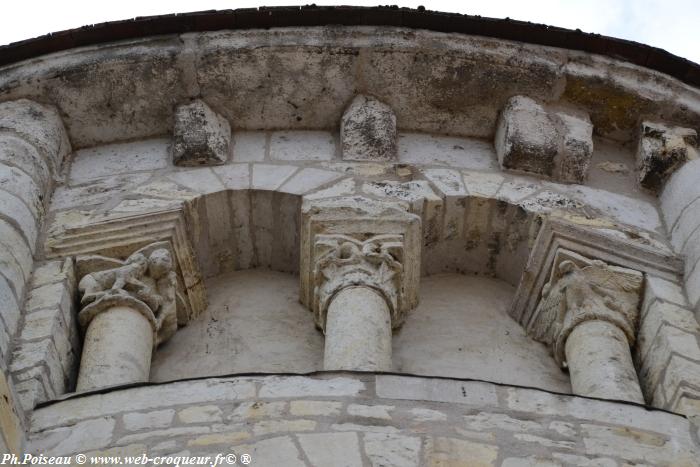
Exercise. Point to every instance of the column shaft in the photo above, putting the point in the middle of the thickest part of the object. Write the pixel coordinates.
(358, 331)
(117, 349)
(600, 362)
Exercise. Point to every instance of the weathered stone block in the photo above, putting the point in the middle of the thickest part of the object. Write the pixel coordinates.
(576, 133)
(200, 414)
(526, 137)
(533, 139)
(19, 153)
(139, 420)
(10, 307)
(31, 392)
(391, 449)
(661, 150)
(81, 437)
(11, 429)
(657, 288)
(305, 387)
(201, 136)
(451, 451)
(460, 392)
(305, 408)
(17, 213)
(332, 449)
(302, 146)
(368, 131)
(38, 124)
(41, 352)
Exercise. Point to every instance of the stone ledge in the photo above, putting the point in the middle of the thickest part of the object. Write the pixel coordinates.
(265, 413)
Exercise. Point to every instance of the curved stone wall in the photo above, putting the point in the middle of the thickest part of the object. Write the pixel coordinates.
(362, 419)
(365, 160)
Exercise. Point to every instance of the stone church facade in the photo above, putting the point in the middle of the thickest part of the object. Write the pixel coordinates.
(349, 236)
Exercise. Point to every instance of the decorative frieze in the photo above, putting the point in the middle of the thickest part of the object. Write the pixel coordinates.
(128, 308)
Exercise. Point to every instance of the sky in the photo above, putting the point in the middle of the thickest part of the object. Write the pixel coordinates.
(673, 25)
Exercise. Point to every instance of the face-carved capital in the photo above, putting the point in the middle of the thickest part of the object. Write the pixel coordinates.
(146, 282)
(343, 261)
(581, 289)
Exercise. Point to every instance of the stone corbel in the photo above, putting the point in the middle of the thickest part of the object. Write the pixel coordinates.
(588, 314)
(662, 149)
(360, 267)
(128, 308)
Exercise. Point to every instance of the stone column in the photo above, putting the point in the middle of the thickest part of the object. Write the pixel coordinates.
(358, 331)
(358, 299)
(588, 313)
(129, 307)
(600, 363)
(117, 348)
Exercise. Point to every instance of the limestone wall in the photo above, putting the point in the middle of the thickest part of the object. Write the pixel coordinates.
(459, 181)
(344, 419)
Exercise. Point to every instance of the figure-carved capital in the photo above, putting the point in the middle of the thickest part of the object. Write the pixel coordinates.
(146, 282)
(343, 261)
(359, 242)
(580, 290)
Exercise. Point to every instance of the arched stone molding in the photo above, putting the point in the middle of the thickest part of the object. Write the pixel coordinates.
(474, 218)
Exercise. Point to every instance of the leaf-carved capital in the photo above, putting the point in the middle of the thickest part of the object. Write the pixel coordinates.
(343, 261)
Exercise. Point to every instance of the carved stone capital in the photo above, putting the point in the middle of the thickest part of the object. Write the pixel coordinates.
(580, 290)
(350, 242)
(145, 282)
(121, 237)
(343, 261)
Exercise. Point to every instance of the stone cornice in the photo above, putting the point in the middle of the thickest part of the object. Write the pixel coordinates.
(312, 15)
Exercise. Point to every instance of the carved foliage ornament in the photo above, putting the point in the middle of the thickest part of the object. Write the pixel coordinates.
(343, 261)
(145, 281)
(582, 290)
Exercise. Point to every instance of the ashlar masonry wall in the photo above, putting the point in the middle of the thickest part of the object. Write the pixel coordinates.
(355, 420)
(223, 148)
